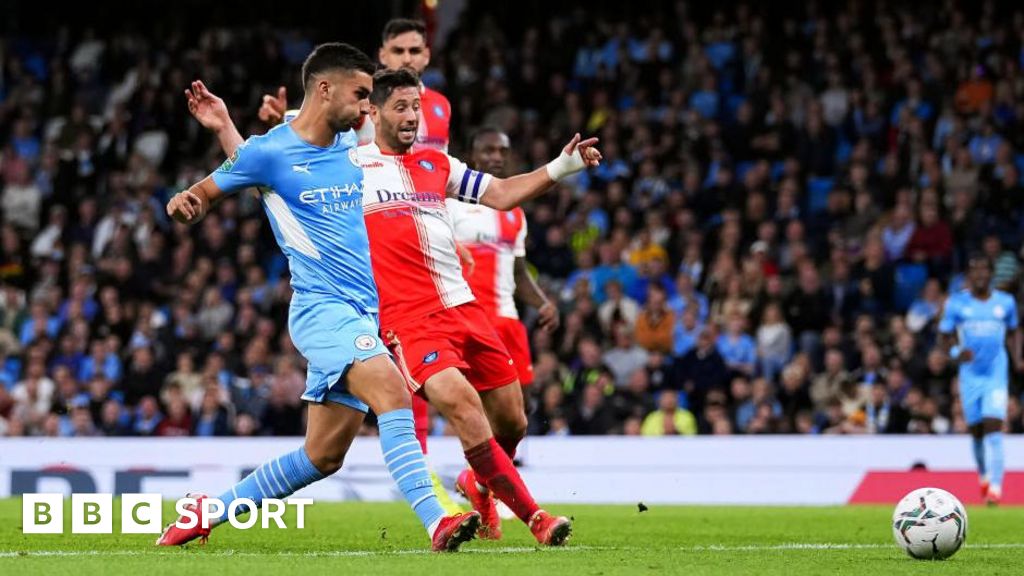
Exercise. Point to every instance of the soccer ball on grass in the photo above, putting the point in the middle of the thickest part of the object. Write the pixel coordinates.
(929, 524)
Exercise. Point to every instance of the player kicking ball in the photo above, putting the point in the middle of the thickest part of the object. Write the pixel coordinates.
(426, 305)
(978, 319)
(446, 339)
(311, 188)
(403, 45)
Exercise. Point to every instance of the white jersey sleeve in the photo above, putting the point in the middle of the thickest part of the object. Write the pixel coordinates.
(519, 248)
(464, 183)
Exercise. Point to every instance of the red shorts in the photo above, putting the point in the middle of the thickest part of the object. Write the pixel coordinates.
(513, 333)
(461, 337)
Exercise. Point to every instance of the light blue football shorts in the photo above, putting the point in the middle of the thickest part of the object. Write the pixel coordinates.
(984, 396)
(331, 334)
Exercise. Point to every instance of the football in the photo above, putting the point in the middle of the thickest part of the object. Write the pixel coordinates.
(929, 524)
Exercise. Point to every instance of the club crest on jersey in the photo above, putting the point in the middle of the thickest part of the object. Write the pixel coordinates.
(427, 165)
(430, 358)
(438, 111)
(353, 157)
(365, 341)
(999, 311)
(510, 217)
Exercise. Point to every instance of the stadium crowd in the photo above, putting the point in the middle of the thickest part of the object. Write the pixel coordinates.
(785, 202)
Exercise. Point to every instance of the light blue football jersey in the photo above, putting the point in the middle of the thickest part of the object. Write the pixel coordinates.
(313, 198)
(981, 327)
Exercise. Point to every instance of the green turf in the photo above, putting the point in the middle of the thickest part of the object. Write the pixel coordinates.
(356, 538)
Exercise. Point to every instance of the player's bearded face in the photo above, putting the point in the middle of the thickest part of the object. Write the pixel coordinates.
(348, 99)
(400, 118)
(408, 50)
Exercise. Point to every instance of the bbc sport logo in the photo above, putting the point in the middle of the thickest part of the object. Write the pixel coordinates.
(143, 513)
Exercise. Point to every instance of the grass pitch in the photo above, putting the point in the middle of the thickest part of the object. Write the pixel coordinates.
(363, 538)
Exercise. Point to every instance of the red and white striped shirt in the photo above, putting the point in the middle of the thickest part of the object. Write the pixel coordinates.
(412, 242)
(494, 238)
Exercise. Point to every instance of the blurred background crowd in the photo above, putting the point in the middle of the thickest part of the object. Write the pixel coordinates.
(786, 200)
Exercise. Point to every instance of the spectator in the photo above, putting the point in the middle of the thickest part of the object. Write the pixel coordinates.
(1005, 264)
(593, 415)
(212, 418)
(21, 199)
(685, 333)
(884, 416)
(143, 377)
(669, 419)
(794, 395)
(736, 347)
(147, 417)
(185, 378)
(828, 384)
(774, 341)
(701, 370)
(611, 268)
(550, 408)
(635, 400)
(617, 309)
(625, 357)
(179, 418)
(897, 233)
(932, 241)
(924, 311)
(806, 309)
(655, 323)
(874, 277)
(113, 420)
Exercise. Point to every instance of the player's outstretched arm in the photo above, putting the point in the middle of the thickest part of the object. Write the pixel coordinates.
(507, 193)
(211, 112)
(189, 206)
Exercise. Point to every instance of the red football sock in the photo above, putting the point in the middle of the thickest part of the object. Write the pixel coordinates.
(421, 414)
(508, 445)
(495, 470)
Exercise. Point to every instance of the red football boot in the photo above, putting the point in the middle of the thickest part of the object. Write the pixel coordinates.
(454, 530)
(550, 530)
(174, 536)
(490, 522)
(993, 495)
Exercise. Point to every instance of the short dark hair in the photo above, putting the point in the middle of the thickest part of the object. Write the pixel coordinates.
(386, 81)
(335, 56)
(981, 257)
(484, 131)
(397, 26)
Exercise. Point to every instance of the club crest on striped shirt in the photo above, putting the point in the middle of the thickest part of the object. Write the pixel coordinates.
(427, 165)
